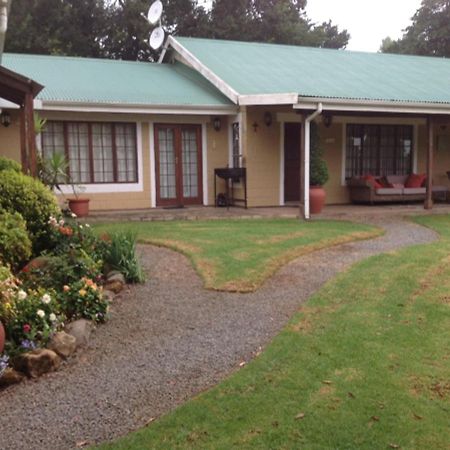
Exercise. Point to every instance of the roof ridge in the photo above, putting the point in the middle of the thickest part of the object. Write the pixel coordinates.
(318, 49)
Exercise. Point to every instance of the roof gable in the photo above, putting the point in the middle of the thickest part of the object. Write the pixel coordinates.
(262, 69)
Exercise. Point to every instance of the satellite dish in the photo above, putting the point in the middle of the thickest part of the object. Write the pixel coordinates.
(156, 39)
(155, 12)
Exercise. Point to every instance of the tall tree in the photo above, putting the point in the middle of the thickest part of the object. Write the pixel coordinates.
(429, 33)
(67, 27)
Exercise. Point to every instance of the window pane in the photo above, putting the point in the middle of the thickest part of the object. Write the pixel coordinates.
(126, 153)
(78, 149)
(236, 145)
(190, 166)
(53, 139)
(378, 150)
(167, 178)
(102, 152)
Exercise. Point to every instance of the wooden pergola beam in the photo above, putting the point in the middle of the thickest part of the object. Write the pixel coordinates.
(21, 91)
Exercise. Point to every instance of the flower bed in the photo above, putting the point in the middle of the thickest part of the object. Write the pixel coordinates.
(65, 281)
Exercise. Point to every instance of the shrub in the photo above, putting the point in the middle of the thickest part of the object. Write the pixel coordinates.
(318, 167)
(121, 256)
(8, 289)
(9, 164)
(15, 245)
(83, 299)
(35, 202)
(36, 315)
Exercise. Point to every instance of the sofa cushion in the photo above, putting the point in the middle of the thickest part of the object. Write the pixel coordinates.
(414, 191)
(397, 179)
(372, 180)
(415, 180)
(389, 191)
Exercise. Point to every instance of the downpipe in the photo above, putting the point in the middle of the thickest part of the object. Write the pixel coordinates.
(4, 9)
(307, 160)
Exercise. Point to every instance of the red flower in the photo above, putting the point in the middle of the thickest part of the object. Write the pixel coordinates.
(26, 328)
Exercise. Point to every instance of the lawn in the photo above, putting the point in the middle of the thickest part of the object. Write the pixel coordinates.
(238, 255)
(365, 365)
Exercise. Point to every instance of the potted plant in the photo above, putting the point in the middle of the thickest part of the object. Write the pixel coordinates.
(318, 173)
(53, 172)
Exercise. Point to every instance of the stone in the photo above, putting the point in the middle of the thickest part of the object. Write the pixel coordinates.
(63, 344)
(115, 286)
(115, 275)
(11, 376)
(81, 330)
(109, 295)
(37, 362)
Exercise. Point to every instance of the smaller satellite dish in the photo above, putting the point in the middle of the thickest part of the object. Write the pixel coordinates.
(156, 39)
(155, 12)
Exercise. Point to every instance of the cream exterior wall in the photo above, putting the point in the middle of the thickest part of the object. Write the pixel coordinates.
(262, 152)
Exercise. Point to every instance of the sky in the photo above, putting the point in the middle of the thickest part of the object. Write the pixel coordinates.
(367, 21)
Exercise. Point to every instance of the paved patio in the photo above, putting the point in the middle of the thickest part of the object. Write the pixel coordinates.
(341, 212)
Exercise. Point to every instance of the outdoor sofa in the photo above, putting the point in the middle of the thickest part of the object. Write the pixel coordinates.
(392, 188)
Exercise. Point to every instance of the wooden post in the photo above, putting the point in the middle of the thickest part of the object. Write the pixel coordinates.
(430, 155)
(23, 139)
(31, 137)
(302, 170)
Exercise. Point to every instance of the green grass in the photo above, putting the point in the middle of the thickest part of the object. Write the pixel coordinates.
(365, 365)
(238, 255)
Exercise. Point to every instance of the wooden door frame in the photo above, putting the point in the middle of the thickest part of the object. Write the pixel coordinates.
(178, 128)
(283, 157)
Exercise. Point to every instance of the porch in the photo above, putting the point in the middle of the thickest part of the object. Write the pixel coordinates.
(356, 213)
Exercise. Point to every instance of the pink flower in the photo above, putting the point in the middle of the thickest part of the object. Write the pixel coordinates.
(26, 328)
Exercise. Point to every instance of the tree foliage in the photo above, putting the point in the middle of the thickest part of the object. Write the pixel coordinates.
(429, 33)
(115, 28)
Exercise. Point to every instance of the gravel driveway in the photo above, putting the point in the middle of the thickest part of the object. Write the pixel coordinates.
(166, 341)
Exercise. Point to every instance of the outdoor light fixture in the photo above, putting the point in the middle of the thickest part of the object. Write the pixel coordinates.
(255, 126)
(327, 120)
(268, 118)
(5, 118)
(217, 123)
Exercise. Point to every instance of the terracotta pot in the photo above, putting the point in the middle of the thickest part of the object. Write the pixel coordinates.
(316, 199)
(2, 338)
(79, 206)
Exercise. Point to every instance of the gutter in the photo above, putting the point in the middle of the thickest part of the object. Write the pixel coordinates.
(4, 10)
(307, 159)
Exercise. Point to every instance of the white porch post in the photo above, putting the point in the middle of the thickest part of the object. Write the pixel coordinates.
(304, 205)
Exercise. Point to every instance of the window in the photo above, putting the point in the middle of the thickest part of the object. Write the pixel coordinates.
(379, 150)
(96, 152)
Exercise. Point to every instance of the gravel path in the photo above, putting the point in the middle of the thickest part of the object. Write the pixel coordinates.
(166, 341)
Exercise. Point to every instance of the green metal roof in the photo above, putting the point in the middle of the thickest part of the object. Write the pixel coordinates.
(102, 81)
(255, 68)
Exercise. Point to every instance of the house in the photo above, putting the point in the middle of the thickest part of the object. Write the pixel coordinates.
(140, 135)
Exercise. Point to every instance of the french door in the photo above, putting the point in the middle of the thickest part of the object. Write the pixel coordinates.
(178, 158)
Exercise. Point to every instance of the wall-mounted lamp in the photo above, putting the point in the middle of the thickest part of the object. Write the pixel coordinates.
(268, 118)
(255, 126)
(217, 123)
(327, 120)
(5, 118)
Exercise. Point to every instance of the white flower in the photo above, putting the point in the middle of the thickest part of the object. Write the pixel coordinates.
(61, 222)
(52, 221)
(22, 295)
(52, 317)
(87, 225)
(40, 313)
(46, 299)
(73, 215)
(81, 227)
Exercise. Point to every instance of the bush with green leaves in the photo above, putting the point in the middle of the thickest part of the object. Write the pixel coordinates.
(15, 245)
(9, 164)
(34, 201)
(83, 299)
(318, 172)
(121, 256)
